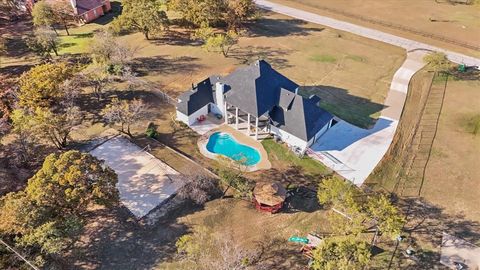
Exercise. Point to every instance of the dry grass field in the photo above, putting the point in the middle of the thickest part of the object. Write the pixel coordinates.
(452, 175)
(351, 74)
(458, 22)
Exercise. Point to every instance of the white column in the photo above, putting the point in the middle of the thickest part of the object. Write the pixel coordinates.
(256, 128)
(248, 126)
(225, 113)
(236, 118)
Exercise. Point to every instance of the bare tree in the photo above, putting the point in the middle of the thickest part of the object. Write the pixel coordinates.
(219, 251)
(198, 188)
(107, 49)
(98, 78)
(124, 113)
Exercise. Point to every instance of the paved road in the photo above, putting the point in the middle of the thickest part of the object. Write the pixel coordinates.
(405, 43)
(354, 152)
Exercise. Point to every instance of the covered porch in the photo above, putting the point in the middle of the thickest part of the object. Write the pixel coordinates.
(252, 126)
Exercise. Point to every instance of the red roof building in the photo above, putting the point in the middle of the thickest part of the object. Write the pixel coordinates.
(86, 10)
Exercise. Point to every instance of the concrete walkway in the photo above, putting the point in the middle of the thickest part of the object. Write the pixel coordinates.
(354, 152)
(408, 44)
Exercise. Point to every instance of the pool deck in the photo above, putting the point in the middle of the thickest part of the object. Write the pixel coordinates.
(263, 164)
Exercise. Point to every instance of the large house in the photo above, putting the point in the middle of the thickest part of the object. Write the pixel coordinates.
(263, 99)
(85, 10)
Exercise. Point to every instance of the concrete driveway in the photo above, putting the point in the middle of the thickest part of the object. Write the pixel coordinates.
(354, 152)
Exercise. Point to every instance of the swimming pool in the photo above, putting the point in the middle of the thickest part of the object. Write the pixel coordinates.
(224, 144)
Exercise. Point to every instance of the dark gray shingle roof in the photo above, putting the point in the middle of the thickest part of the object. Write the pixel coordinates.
(304, 118)
(258, 89)
(255, 89)
(193, 100)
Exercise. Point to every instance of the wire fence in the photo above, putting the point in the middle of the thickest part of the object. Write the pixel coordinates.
(401, 27)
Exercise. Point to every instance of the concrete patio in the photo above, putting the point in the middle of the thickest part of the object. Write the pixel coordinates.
(144, 181)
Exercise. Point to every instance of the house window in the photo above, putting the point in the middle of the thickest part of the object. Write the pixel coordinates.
(95, 13)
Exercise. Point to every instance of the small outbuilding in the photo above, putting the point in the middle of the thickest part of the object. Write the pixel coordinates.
(269, 197)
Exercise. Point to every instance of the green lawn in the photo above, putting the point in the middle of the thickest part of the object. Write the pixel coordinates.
(278, 153)
(324, 58)
(75, 43)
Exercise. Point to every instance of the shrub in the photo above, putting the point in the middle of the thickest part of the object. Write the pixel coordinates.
(151, 130)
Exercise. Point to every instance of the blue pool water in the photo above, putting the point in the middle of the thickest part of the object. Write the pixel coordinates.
(224, 144)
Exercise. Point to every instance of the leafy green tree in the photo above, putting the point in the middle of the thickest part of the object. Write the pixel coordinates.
(69, 182)
(337, 192)
(48, 215)
(387, 216)
(144, 16)
(124, 113)
(41, 86)
(23, 129)
(56, 126)
(437, 62)
(43, 15)
(221, 42)
(214, 13)
(200, 12)
(240, 11)
(345, 253)
(18, 214)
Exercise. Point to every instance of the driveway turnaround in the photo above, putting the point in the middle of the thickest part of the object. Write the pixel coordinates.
(144, 181)
(354, 152)
(405, 43)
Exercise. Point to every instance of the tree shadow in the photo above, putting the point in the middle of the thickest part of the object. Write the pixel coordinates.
(425, 226)
(176, 37)
(280, 255)
(15, 70)
(430, 221)
(92, 106)
(249, 54)
(113, 239)
(355, 110)
(111, 15)
(268, 27)
(302, 199)
(163, 64)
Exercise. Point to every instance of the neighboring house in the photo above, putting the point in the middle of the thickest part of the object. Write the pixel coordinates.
(85, 10)
(263, 99)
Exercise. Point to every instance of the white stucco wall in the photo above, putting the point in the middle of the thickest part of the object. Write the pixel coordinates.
(288, 138)
(216, 109)
(189, 120)
(182, 117)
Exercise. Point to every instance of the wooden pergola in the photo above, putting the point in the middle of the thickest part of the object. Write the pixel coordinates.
(269, 197)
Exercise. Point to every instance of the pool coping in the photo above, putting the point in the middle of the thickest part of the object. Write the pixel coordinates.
(263, 164)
